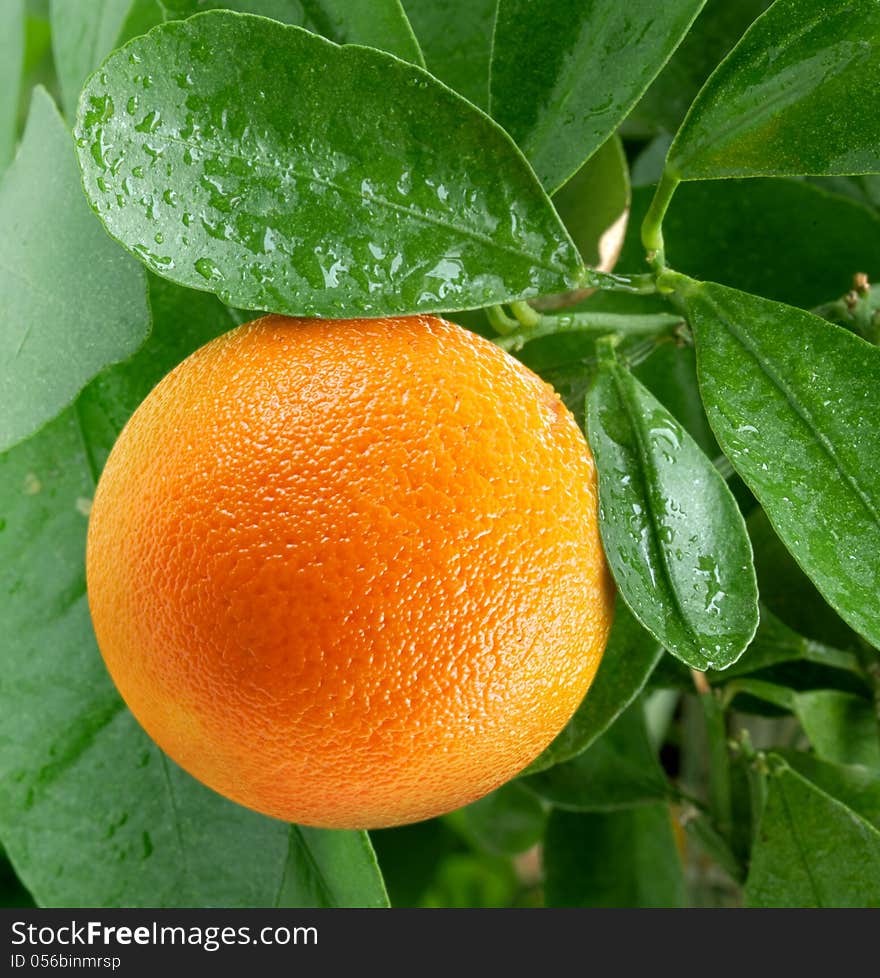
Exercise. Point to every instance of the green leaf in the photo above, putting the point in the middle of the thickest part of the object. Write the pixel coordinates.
(801, 431)
(376, 23)
(594, 205)
(811, 850)
(619, 770)
(456, 36)
(740, 245)
(715, 32)
(331, 868)
(411, 857)
(628, 661)
(70, 301)
(11, 64)
(790, 97)
(673, 534)
(841, 727)
(853, 785)
(312, 181)
(625, 859)
(505, 822)
(565, 73)
(93, 813)
(83, 34)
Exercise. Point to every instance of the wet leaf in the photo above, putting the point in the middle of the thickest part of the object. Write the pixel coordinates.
(790, 97)
(565, 73)
(311, 182)
(791, 399)
(623, 859)
(71, 301)
(628, 661)
(803, 853)
(377, 23)
(673, 535)
(93, 814)
(11, 64)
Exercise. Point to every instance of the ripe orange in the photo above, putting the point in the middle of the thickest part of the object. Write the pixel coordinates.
(348, 573)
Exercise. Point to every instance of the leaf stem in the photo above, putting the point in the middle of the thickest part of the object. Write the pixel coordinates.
(652, 227)
(597, 323)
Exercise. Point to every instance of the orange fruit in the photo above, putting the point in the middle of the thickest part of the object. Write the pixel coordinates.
(348, 573)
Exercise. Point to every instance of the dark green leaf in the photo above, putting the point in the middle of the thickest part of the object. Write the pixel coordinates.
(565, 73)
(811, 850)
(594, 205)
(791, 399)
(790, 98)
(619, 770)
(504, 822)
(853, 785)
(456, 36)
(623, 859)
(93, 813)
(377, 23)
(311, 181)
(411, 857)
(715, 32)
(70, 301)
(83, 34)
(627, 662)
(11, 62)
(673, 535)
(783, 239)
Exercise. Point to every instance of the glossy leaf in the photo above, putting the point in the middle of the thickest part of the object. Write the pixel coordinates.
(802, 432)
(720, 25)
(805, 853)
(565, 73)
(673, 535)
(83, 34)
(619, 770)
(594, 205)
(623, 859)
(376, 23)
(93, 814)
(740, 245)
(790, 97)
(11, 64)
(456, 37)
(311, 182)
(505, 822)
(628, 661)
(70, 300)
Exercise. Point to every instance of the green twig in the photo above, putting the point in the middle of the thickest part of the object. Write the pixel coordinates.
(596, 323)
(652, 227)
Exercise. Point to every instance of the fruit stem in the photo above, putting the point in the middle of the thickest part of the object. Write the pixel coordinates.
(597, 323)
(652, 227)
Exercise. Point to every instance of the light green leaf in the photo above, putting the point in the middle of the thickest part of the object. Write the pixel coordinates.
(791, 399)
(622, 859)
(565, 73)
(628, 661)
(790, 97)
(312, 182)
(674, 537)
(855, 786)
(93, 814)
(70, 300)
(619, 770)
(456, 36)
(594, 205)
(811, 850)
(11, 65)
(376, 23)
(84, 32)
